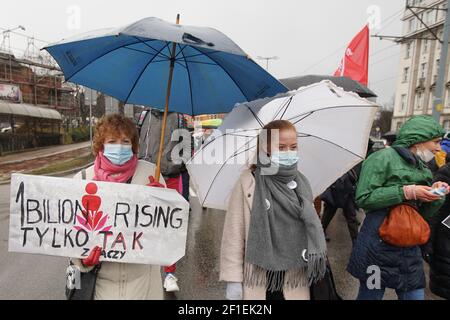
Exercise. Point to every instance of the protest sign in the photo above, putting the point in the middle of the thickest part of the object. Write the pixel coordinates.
(68, 217)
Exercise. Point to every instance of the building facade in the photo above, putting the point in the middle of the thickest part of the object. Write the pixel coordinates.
(419, 62)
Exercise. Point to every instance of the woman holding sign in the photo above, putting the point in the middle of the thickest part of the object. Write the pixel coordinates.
(273, 244)
(116, 146)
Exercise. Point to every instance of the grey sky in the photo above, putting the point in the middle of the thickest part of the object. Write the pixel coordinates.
(300, 32)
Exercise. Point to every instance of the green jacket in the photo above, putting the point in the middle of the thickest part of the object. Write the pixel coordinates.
(385, 172)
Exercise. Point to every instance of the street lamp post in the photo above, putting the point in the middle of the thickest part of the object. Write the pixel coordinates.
(267, 60)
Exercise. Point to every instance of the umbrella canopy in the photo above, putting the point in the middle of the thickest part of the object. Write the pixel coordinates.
(210, 75)
(346, 83)
(333, 129)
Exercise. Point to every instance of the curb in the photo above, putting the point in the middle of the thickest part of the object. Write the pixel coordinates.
(55, 174)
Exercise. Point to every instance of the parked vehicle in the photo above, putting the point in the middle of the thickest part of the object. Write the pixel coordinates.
(379, 144)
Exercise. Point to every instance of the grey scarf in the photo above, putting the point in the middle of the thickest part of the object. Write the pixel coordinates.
(283, 225)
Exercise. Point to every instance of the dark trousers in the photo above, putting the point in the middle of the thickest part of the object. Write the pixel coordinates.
(185, 182)
(274, 295)
(349, 211)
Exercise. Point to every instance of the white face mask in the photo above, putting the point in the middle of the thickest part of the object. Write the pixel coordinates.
(425, 154)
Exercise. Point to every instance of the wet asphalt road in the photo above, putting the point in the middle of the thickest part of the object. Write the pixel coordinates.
(35, 277)
(198, 272)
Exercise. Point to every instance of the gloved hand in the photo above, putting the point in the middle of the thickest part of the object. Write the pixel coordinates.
(153, 183)
(234, 291)
(94, 257)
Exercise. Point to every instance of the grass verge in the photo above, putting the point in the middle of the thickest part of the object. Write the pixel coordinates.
(64, 165)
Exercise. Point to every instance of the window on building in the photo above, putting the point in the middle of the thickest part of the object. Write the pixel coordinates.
(430, 17)
(403, 103)
(411, 25)
(437, 66)
(447, 98)
(399, 125)
(431, 100)
(426, 45)
(408, 50)
(442, 13)
(405, 74)
(439, 44)
(423, 70)
(446, 125)
(419, 22)
(419, 101)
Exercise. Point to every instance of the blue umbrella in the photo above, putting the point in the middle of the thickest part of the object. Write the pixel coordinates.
(187, 69)
(211, 73)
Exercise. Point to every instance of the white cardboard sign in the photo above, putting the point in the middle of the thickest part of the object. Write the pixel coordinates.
(68, 217)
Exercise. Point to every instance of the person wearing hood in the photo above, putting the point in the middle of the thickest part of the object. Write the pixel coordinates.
(391, 177)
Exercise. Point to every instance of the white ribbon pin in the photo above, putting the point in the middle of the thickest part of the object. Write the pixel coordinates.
(292, 185)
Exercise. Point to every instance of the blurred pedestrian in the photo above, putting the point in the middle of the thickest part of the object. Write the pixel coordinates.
(441, 157)
(341, 194)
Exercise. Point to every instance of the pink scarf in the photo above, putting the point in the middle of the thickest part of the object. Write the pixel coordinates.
(106, 171)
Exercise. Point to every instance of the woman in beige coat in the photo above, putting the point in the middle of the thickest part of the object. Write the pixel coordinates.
(116, 145)
(273, 246)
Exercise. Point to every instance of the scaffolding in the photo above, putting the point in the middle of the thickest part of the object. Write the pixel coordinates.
(40, 84)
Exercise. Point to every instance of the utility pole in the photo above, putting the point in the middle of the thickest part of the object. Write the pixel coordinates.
(267, 60)
(440, 84)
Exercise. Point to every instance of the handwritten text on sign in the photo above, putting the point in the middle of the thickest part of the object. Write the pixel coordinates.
(68, 217)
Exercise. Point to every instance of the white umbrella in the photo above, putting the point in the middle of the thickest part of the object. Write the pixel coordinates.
(333, 132)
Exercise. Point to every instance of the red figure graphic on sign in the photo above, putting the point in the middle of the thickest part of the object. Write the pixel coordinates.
(92, 219)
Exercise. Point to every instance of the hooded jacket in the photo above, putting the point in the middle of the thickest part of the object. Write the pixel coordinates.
(385, 172)
(380, 187)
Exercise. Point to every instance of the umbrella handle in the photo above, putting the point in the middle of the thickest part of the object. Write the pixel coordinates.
(166, 109)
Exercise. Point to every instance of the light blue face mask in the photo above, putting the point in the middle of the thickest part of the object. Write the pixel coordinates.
(118, 154)
(285, 158)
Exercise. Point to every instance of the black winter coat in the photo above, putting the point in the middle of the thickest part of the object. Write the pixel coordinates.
(440, 244)
(341, 191)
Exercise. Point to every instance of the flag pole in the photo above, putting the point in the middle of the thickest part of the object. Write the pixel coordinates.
(166, 108)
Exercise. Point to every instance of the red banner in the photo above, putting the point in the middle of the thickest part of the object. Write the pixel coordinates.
(355, 63)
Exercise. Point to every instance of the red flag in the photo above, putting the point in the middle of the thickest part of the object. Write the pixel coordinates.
(355, 63)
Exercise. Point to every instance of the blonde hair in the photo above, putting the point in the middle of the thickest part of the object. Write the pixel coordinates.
(265, 136)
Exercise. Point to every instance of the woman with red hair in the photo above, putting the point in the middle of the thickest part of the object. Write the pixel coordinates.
(116, 145)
